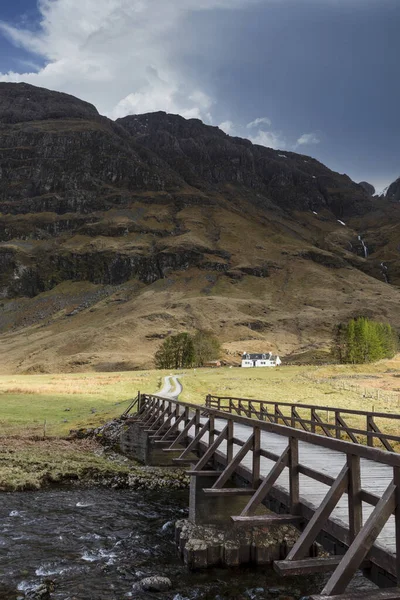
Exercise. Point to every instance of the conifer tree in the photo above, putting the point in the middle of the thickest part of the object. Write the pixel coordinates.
(362, 340)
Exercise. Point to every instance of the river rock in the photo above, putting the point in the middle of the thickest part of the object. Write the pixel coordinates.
(154, 584)
(42, 591)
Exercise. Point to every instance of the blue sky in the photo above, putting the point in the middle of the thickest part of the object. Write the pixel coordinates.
(315, 76)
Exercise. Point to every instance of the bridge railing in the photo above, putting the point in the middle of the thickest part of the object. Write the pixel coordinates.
(212, 434)
(329, 421)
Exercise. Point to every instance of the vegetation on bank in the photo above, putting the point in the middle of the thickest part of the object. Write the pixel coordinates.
(31, 464)
(362, 340)
(183, 351)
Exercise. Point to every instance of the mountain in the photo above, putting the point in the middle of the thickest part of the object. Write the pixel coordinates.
(115, 234)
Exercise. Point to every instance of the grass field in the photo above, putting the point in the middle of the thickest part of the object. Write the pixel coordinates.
(38, 411)
(54, 404)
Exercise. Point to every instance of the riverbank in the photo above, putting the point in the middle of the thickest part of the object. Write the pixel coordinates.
(34, 464)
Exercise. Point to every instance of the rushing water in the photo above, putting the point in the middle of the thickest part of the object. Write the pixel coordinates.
(95, 544)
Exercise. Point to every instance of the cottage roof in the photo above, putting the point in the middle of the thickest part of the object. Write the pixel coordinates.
(251, 356)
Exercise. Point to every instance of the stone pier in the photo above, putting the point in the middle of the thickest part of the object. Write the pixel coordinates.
(137, 443)
(210, 538)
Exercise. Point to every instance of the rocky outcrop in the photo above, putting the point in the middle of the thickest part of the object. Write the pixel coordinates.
(393, 192)
(21, 102)
(205, 156)
(368, 187)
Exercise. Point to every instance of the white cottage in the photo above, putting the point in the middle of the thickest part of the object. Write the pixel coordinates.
(260, 360)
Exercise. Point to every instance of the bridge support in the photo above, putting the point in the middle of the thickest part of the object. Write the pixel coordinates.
(136, 442)
(206, 509)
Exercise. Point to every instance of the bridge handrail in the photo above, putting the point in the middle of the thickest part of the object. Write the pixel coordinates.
(248, 406)
(202, 435)
(375, 454)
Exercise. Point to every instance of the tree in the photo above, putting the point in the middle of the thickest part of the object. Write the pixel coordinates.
(206, 348)
(176, 352)
(183, 351)
(362, 340)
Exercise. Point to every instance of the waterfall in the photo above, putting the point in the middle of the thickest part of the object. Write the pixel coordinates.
(384, 271)
(364, 245)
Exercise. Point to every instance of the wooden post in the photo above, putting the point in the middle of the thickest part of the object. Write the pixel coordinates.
(294, 485)
(212, 429)
(256, 457)
(197, 422)
(354, 496)
(229, 442)
(370, 439)
(313, 420)
(293, 416)
(337, 424)
(276, 413)
(396, 481)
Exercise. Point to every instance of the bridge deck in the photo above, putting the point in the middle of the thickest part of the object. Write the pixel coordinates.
(375, 477)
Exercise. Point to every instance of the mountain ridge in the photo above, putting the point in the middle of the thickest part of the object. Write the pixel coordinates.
(119, 233)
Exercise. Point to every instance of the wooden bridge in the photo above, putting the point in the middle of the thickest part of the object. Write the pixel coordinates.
(305, 462)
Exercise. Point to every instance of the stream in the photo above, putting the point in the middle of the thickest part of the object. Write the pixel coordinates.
(96, 543)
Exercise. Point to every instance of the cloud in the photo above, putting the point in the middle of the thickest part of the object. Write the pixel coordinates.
(259, 121)
(228, 126)
(270, 139)
(307, 139)
(121, 55)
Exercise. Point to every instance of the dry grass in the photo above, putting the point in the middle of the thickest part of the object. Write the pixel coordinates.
(53, 404)
(335, 386)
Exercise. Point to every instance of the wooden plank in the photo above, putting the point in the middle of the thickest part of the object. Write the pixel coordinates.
(175, 425)
(396, 481)
(242, 521)
(362, 543)
(386, 594)
(192, 446)
(267, 484)
(212, 449)
(203, 473)
(342, 423)
(230, 468)
(309, 566)
(181, 437)
(375, 429)
(314, 526)
(228, 491)
(325, 427)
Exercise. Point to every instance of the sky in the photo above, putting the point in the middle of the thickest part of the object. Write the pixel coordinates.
(319, 77)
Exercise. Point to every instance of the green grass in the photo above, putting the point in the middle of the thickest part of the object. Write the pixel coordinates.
(54, 404)
(28, 465)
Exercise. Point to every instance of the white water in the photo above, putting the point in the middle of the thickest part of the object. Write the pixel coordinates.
(384, 271)
(364, 245)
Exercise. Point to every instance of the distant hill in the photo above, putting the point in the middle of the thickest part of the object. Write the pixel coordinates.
(115, 234)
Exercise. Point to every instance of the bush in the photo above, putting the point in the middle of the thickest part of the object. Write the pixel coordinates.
(184, 351)
(362, 340)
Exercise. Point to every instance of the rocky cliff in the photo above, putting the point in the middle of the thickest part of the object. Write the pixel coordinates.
(114, 234)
